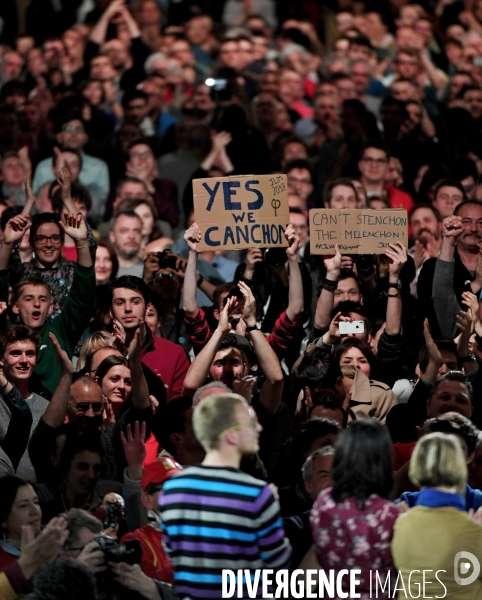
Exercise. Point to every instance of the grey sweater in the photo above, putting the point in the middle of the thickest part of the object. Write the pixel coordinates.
(37, 405)
(444, 298)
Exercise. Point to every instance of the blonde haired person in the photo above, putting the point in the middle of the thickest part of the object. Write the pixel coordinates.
(219, 501)
(95, 341)
(429, 539)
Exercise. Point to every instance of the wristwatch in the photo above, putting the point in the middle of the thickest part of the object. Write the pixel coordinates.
(397, 285)
(252, 328)
(469, 358)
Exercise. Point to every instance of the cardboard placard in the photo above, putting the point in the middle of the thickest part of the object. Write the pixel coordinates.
(244, 211)
(357, 230)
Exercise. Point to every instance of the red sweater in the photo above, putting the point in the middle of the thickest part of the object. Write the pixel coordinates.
(167, 360)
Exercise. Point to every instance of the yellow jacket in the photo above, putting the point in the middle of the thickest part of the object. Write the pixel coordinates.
(429, 539)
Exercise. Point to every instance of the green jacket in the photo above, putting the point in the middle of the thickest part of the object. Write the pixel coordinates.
(68, 326)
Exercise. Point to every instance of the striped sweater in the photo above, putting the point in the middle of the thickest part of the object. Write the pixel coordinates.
(219, 518)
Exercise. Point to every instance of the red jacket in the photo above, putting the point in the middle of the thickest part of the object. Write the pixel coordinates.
(167, 360)
(155, 562)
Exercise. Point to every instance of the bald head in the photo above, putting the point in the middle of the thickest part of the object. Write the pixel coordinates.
(85, 403)
(96, 357)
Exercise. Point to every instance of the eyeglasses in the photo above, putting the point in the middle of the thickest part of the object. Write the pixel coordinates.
(83, 407)
(251, 423)
(372, 161)
(43, 239)
(73, 128)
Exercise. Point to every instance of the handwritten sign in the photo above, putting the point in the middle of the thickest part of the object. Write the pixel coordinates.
(357, 231)
(244, 211)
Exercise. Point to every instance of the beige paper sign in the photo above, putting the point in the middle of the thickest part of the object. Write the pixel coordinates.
(357, 231)
(245, 211)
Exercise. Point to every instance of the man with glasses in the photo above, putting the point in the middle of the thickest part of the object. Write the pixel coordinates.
(300, 178)
(373, 166)
(94, 174)
(230, 517)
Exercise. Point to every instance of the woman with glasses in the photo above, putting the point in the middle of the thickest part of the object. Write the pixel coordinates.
(46, 240)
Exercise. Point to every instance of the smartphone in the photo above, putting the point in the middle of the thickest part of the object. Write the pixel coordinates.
(351, 327)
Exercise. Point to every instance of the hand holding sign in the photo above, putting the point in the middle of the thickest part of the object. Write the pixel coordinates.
(293, 241)
(192, 236)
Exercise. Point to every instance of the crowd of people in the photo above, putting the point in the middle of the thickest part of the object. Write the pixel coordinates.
(168, 413)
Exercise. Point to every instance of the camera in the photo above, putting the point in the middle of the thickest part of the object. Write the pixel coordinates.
(275, 258)
(166, 260)
(220, 89)
(112, 515)
(129, 552)
(365, 264)
(347, 327)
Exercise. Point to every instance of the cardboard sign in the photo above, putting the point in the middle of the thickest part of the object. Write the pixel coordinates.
(245, 211)
(357, 231)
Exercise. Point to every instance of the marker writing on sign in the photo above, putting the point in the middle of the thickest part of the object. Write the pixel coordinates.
(275, 203)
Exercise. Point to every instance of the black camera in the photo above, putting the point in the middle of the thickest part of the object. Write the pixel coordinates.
(275, 258)
(365, 264)
(129, 552)
(112, 515)
(166, 260)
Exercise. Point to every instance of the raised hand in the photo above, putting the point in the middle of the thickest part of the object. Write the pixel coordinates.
(59, 162)
(254, 255)
(472, 303)
(135, 448)
(249, 309)
(452, 227)
(225, 316)
(61, 356)
(74, 226)
(192, 236)
(293, 241)
(16, 228)
(434, 353)
(333, 263)
(64, 180)
(135, 347)
(118, 337)
(220, 140)
(244, 387)
(333, 333)
(24, 157)
(397, 253)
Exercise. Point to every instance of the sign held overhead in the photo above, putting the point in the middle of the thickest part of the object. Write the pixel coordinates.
(357, 231)
(244, 211)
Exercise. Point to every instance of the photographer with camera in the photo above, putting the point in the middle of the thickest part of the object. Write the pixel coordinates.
(115, 566)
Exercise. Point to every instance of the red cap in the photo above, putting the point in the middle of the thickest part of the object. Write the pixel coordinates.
(159, 471)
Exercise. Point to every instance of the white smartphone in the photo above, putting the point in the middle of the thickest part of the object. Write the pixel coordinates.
(351, 327)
